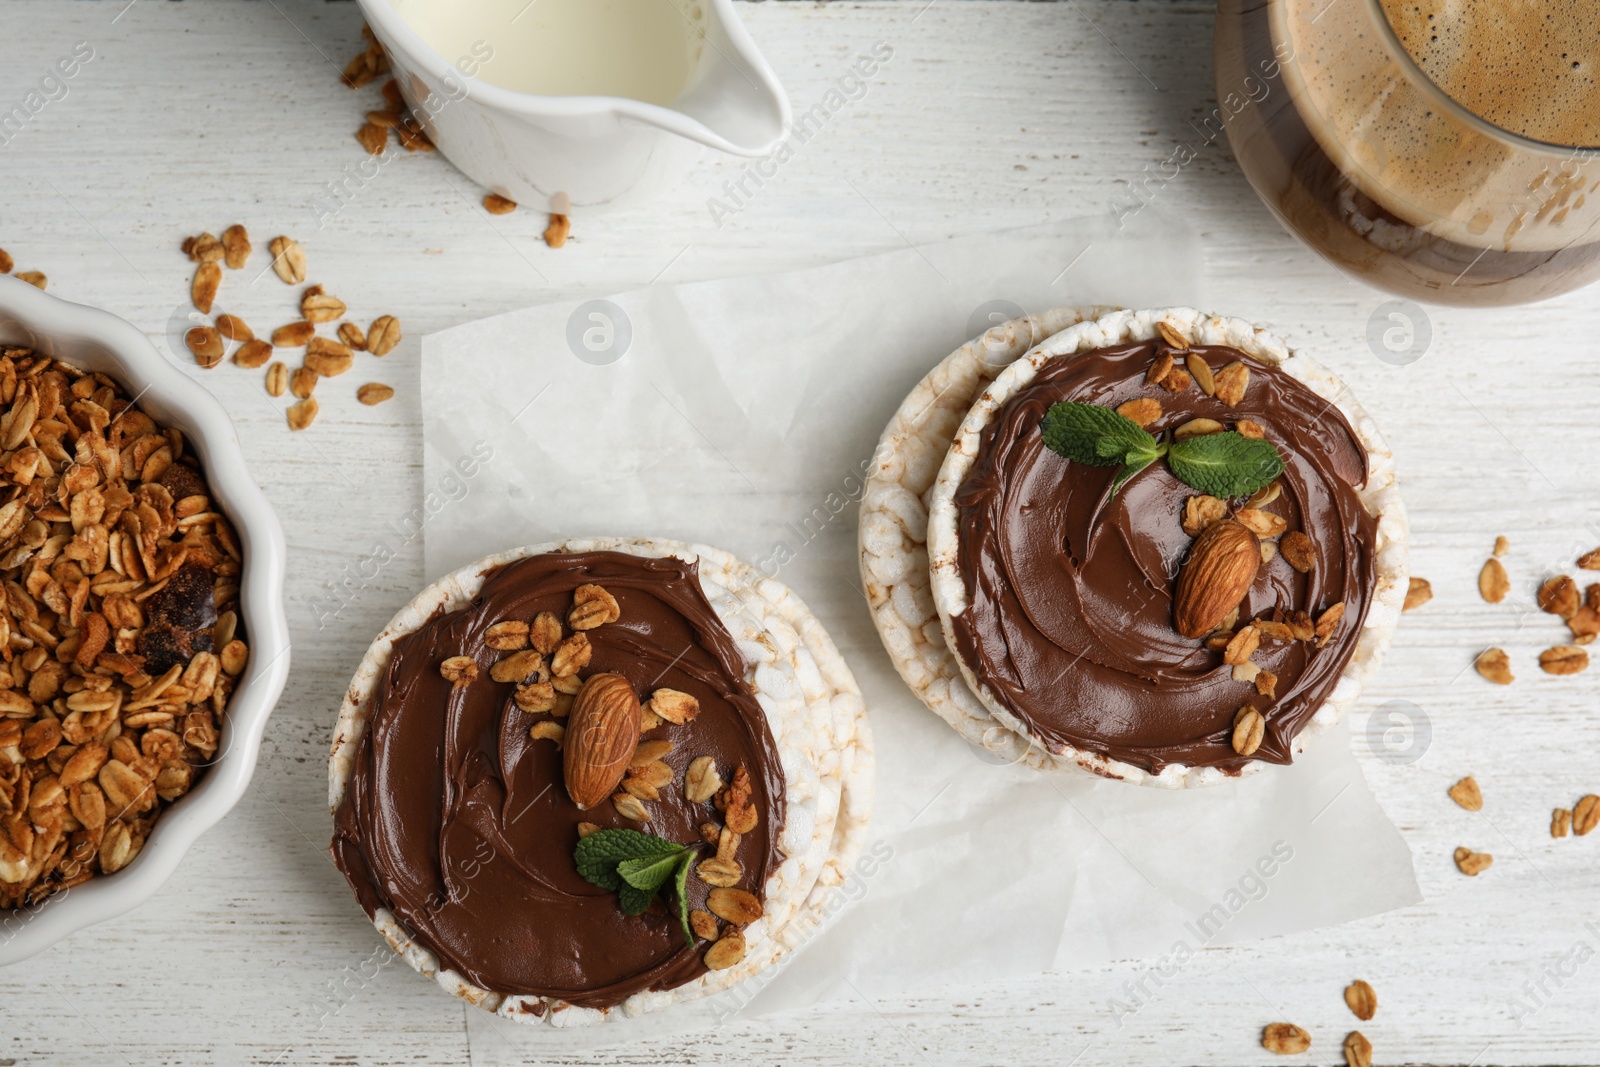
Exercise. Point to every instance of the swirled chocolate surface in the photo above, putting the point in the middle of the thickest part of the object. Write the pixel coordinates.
(1070, 590)
(460, 825)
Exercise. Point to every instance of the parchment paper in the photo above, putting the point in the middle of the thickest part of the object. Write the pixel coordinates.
(741, 413)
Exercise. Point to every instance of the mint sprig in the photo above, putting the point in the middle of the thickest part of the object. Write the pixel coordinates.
(636, 865)
(1220, 464)
(1225, 464)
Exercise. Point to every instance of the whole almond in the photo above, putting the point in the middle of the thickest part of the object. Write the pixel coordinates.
(602, 734)
(1220, 569)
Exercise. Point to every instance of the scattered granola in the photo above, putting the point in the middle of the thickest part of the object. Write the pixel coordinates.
(1418, 593)
(1586, 815)
(277, 379)
(1563, 659)
(302, 414)
(1285, 1039)
(555, 234)
(1142, 411)
(496, 204)
(122, 583)
(34, 278)
(1248, 730)
(1362, 999)
(374, 393)
(1495, 665)
(253, 354)
(1559, 596)
(1467, 794)
(384, 335)
(1472, 863)
(1560, 822)
(288, 260)
(1493, 583)
(234, 328)
(1357, 1050)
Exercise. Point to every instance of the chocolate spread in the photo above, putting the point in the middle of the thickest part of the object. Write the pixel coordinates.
(460, 825)
(1070, 620)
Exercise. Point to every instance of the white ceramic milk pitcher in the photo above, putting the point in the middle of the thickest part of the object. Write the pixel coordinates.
(549, 151)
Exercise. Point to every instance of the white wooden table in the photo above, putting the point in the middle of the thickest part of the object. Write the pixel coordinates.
(995, 114)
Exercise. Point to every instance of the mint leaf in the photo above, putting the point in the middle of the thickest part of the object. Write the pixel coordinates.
(634, 900)
(600, 854)
(1225, 464)
(680, 885)
(1128, 471)
(651, 872)
(1095, 435)
(636, 866)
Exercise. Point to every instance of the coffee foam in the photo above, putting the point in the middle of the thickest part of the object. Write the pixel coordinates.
(1424, 165)
(1533, 69)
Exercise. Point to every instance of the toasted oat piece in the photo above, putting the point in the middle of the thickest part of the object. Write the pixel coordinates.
(1142, 411)
(1472, 863)
(1284, 1039)
(374, 393)
(288, 260)
(1467, 794)
(1361, 999)
(1560, 822)
(277, 379)
(1418, 593)
(555, 234)
(34, 278)
(1495, 665)
(373, 138)
(1563, 659)
(384, 335)
(1493, 583)
(495, 204)
(236, 246)
(303, 414)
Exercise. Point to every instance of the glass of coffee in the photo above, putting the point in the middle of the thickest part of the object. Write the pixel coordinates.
(1444, 150)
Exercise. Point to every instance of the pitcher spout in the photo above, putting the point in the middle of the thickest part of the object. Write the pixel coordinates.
(733, 102)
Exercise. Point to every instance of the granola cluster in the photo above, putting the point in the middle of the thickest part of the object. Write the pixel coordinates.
(119, 634)
(543, 662)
